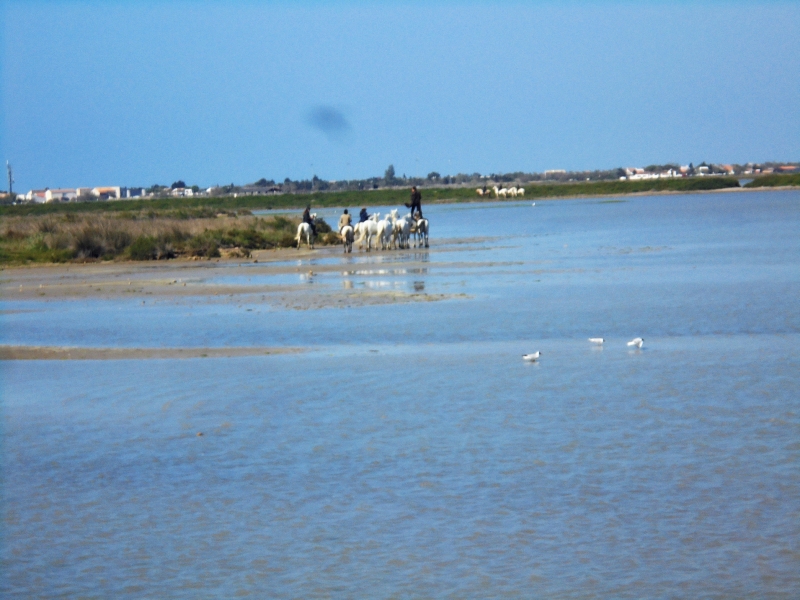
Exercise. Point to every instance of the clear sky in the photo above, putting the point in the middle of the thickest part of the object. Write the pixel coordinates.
(137, 93)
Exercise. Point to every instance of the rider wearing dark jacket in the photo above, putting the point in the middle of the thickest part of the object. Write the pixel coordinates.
(363, 216)
(307, 219)
(416, 201)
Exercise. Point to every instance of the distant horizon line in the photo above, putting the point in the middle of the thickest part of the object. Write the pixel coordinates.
(438, 177)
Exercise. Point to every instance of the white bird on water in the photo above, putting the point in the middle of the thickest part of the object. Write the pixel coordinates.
(597, 340)
(638, 342)
(532, 357)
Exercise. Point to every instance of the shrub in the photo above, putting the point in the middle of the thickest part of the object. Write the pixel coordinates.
(164, 249)
(175, 234)
(142, 248)
(116, 240)
(58, 241)
(47, 226)
(13, 234)
(287, 240)
(203, 245)
(322, 226)
(88, 243)
(244, 238)
(281, 222)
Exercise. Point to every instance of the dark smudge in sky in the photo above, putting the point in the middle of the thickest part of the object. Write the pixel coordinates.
(329, 121)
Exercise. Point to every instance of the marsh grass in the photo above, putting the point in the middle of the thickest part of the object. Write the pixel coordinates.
(775, 180)
(237, 207)
(164, 228)
(145, 235)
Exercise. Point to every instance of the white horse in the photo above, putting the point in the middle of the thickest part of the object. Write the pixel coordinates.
(367, 230)
(512, 191)
(402, 231)
(304, 229)
(347, 238)
(501, 192)
(389, 230)
(482, 192)
(520, 191)
(420, 229)
(385, 228)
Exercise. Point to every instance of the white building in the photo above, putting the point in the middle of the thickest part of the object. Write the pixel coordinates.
(108, 192)
(133, 192)
(36, 196)
(61, 195)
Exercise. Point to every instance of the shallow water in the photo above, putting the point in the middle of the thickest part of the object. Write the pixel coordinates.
(411, 452)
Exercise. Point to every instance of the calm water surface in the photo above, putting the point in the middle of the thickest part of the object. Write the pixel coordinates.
(411, 452)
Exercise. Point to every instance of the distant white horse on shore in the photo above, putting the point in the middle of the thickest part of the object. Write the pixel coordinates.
(304, 229)
(347, 238)
(500, 192)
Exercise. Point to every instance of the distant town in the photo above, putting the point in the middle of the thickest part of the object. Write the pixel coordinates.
(264, 187)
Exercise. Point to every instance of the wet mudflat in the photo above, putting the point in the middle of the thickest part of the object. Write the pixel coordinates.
(408, 450)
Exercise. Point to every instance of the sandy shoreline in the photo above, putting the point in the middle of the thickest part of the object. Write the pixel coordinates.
(283, 278)
(76, 353)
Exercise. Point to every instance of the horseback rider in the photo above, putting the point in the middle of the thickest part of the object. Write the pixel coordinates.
(363, 216)
(308, 219)
(344, 220)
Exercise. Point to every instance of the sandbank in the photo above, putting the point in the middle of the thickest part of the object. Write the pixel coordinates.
(306, 279)
(76, 353)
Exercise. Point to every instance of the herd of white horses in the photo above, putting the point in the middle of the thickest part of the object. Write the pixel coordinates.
(502, 192)
(392, 231)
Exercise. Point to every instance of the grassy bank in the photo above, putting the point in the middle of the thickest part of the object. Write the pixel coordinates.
(775, 180)
(210, 227)
(381, 197)
(150, 235)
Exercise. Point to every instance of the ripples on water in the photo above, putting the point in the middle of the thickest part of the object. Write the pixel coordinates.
(412, 452)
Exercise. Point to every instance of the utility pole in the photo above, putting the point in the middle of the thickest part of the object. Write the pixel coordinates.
(10, 179)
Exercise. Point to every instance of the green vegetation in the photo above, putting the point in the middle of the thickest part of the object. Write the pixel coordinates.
(196, 207)
(775, 180)
(206, 227)
(147, 235)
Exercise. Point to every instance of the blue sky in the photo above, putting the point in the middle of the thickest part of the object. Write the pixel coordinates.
(136, 93)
